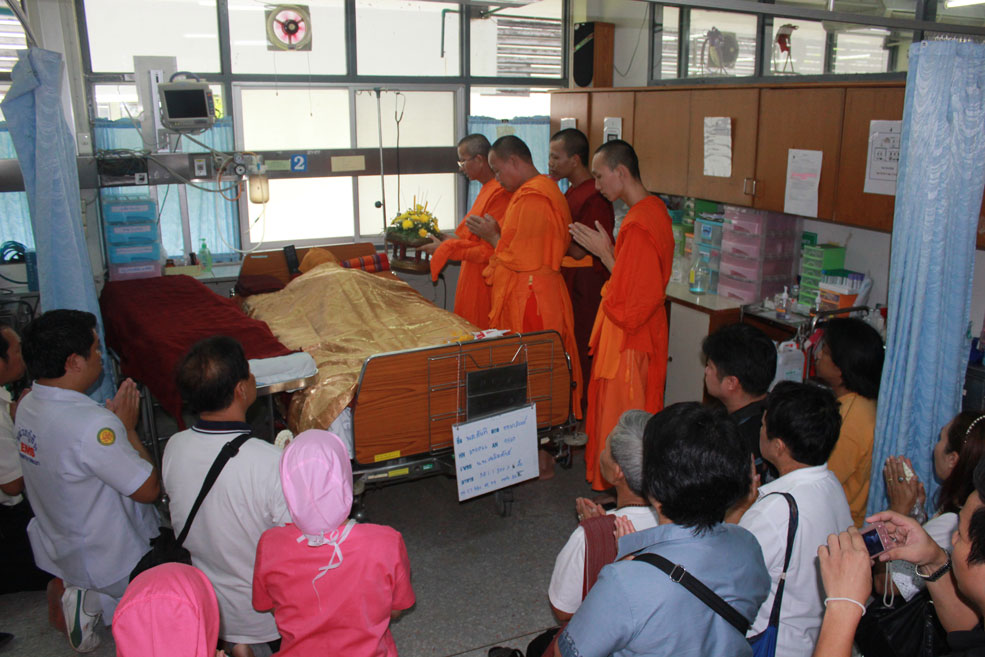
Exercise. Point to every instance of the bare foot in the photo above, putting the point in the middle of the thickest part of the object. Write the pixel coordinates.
(546, 463)
(56, 618)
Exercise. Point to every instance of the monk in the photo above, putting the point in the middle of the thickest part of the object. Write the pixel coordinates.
(629, 339)
(528, 291)
(472, 295)
(583, 273)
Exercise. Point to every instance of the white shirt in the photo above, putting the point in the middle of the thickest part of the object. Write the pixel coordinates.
(246, 500)
(10, 461)
(79, 471)
(568, 577)
(905, 576)
(822, 510)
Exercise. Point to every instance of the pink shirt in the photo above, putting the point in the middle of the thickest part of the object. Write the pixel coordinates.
(347, 610)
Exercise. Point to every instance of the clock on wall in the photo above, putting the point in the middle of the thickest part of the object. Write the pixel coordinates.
(288, 27)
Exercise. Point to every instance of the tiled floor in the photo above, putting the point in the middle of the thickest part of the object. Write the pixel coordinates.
(480, 579)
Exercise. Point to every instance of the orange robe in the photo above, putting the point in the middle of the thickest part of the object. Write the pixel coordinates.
(472, 297)
(629, 340)
(528, 291)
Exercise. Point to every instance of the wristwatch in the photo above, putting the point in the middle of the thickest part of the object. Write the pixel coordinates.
(937, 574)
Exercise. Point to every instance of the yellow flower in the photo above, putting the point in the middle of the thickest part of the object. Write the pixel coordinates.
(423, 232)
(407, 224)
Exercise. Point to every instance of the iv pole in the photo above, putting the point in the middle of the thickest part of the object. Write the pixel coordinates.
(379, 124)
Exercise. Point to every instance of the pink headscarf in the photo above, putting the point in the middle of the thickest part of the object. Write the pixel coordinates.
(167, 611)
(317, 478)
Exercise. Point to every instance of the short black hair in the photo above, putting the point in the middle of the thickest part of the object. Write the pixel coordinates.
(856, 350)
(694, 464)
(745, 352)
(618, 152)
(50, 339)
(4, 345)
(976, 525)
(209, 373)
(509, 145)
(806, 418)
(574, 142)
(475, 144)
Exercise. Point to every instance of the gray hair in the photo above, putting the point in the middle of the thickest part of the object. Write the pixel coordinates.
(626, 443)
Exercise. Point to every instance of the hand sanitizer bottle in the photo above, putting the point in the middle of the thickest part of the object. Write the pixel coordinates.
(205, 257)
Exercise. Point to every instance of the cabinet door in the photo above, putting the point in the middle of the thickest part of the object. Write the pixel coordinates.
(574, 105)
(660, 127)
(853, 205)
(742, 106)
(808, 119)
(685, 369)
(610, 104)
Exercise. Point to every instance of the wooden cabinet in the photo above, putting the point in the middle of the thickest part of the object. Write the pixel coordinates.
(853, 206)
(742, 106)
(610, 104)
(808, 119)
(660, 127)
(573, 106)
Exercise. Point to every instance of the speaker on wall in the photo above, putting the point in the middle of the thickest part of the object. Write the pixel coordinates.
(591, 62)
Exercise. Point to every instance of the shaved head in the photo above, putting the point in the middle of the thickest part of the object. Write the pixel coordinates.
(475, 144)
(509, 146)
(574, 142)
(618, 152)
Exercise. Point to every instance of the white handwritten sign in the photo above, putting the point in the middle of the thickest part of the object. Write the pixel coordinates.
(495, 452)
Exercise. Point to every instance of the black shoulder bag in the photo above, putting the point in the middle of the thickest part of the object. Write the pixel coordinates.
(165, 548)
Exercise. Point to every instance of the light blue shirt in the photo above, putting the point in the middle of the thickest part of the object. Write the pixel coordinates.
(636, 609)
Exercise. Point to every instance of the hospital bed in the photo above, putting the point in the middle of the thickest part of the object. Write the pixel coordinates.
(399, 403)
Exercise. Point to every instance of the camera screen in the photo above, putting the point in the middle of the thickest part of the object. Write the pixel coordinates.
(872, 542)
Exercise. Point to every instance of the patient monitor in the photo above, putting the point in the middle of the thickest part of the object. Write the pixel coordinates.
(186, 106)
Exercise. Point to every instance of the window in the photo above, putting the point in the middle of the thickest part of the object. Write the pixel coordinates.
(251, 51)
(426, 118)
(861, 49)
(397, 37)
(303, 209)
(721, 44)
(797, 48)
(282, 118)
(435, 189)
(120, 29)
(517, 42)
(11, 40)
(666, 40)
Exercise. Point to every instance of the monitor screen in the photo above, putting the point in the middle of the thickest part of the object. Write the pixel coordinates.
(186, 104)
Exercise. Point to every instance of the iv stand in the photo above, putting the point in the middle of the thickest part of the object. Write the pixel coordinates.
(379, 124)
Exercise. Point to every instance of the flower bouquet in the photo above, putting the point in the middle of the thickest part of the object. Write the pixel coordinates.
(413, 227)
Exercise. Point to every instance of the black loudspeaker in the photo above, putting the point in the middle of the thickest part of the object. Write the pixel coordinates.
(591, 62)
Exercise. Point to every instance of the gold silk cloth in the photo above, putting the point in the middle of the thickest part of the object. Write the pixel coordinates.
(341, 317)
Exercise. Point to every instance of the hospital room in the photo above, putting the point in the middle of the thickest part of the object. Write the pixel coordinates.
(492, 328)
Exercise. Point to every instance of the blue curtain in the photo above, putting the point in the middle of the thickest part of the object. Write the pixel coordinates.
(15, 214)
(46, 151)
(125, 134)
(938, 197)
(535, 131)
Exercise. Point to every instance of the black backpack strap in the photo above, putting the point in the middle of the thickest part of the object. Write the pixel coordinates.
(697, 589)
(228, 451)
(791, 531)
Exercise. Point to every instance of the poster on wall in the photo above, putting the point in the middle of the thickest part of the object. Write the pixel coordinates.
(718, 146)
(803, 179)
(882, 157)
(496, 451)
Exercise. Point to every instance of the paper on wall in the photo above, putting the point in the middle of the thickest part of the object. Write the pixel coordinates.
(803, 178)
(496, 451)
(718, 146)
(882, 157)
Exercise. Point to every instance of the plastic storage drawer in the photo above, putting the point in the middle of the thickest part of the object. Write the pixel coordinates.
(708, 231)
(142, 233)
(754, 270)
(758, 246)
(712, 253)
(134, 270)
(125, 210)
(747, 221)
(748, 291)
(123, 254)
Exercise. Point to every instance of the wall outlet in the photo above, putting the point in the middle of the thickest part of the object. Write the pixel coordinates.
(201, 167)
(140, 178)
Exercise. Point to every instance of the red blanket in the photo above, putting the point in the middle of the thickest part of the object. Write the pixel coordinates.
(152, 322)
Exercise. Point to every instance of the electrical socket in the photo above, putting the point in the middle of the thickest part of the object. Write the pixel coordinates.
(140, 179)
(201, 167)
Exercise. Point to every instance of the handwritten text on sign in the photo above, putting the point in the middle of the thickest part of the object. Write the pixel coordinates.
(496, 452)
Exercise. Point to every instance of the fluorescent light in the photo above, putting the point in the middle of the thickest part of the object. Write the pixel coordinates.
(962, 3)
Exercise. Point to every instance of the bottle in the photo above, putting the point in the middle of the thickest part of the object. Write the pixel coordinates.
(781, 304)
(205, 257)
(699, 278)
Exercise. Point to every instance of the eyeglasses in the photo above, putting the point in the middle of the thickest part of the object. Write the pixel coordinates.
(462, 163)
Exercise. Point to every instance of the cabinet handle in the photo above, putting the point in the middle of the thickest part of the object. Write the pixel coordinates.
(745, 186)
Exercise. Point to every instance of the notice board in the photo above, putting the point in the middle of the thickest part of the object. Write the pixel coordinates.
(496, 451)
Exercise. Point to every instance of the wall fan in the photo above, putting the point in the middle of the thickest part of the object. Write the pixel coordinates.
(288, 27)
